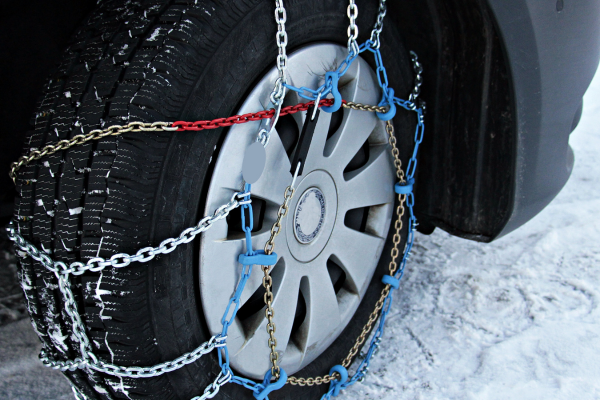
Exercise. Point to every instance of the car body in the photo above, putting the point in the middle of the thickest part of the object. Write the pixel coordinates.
(515, 72)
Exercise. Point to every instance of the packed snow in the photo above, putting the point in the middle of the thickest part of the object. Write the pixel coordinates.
(514, 319)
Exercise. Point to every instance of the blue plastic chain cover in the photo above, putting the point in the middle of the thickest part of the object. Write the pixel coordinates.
(387, 100)
(336, 385)
(390, 280)
(259, 258)
(404, 188)
(337, 96)
(263, 390)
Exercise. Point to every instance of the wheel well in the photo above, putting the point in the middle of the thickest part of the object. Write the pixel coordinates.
(466, 168)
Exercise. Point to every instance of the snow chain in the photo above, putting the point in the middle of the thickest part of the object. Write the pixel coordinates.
(338, 377)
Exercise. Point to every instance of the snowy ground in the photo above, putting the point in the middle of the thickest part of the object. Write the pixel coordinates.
(515, 319)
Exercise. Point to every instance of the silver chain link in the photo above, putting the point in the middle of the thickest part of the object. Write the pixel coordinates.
(352, 12)
(281, 39)
(132, 372)
(123, 259)
(418, 68)
(278, 93)
(212, 389)
(378, 25)
(88, 360)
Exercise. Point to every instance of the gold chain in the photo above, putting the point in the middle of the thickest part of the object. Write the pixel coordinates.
(116, 130)
(393, 266)
(364, 107)
(96, 134)
(268, 282)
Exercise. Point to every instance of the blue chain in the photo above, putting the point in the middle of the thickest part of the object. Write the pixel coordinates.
(251, 257)
(329, 86)
(402, 188)
(247, 259)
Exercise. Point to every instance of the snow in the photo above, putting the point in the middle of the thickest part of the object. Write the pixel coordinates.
(98, 296)
(514, 319)
(75, 210)
(154, 34)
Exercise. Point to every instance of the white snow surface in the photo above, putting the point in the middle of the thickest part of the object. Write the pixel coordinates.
(517, 318)
(514, 319)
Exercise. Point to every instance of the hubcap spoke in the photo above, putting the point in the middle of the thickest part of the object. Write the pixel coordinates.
(276, 176)
(357, 125)
(314, 158)
(372, 181)
(345, 143)
(322, 310)
(287, 287)
(358, 253)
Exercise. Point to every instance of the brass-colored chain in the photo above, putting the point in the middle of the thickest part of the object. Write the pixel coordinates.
(116, 130)
(364, 107)
(96, 134)
(268, 282)
(393, 266)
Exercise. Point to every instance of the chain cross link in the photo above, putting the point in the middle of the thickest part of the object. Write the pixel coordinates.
(123, 259)
(375, 43)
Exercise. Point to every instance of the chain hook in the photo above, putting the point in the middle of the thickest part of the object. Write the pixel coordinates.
(333, 77)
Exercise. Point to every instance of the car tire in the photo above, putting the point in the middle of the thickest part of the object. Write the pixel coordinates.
(158, 61)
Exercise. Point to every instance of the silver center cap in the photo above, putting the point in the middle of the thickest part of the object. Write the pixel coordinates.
(309, 215)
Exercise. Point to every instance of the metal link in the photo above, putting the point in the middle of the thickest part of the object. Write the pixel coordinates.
(278, 93)
(267, 280)
(211, 390)
(89, 361)
(96, 134)
(352, 12)
(123, 259)
(418, 69)
(375, 43)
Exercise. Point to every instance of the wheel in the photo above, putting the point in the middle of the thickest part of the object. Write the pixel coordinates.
(167, 61)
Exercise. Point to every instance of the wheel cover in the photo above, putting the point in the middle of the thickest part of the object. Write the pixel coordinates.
(316, 248)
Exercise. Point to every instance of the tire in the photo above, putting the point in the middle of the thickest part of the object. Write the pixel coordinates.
(158, 61)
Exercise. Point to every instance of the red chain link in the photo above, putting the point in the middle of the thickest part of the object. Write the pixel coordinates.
(241, 119)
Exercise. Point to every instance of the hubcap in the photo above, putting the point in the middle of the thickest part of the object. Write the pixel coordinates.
(330, 241)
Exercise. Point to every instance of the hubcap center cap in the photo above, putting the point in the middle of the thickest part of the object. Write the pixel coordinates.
(309, 227)
(309, 215)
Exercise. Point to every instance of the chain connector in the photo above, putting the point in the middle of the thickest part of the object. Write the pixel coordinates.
(387, 100)
(332, 78)
(404, 187)
(262, 390)
(258, 258)
(336, 385)
(390, 280)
